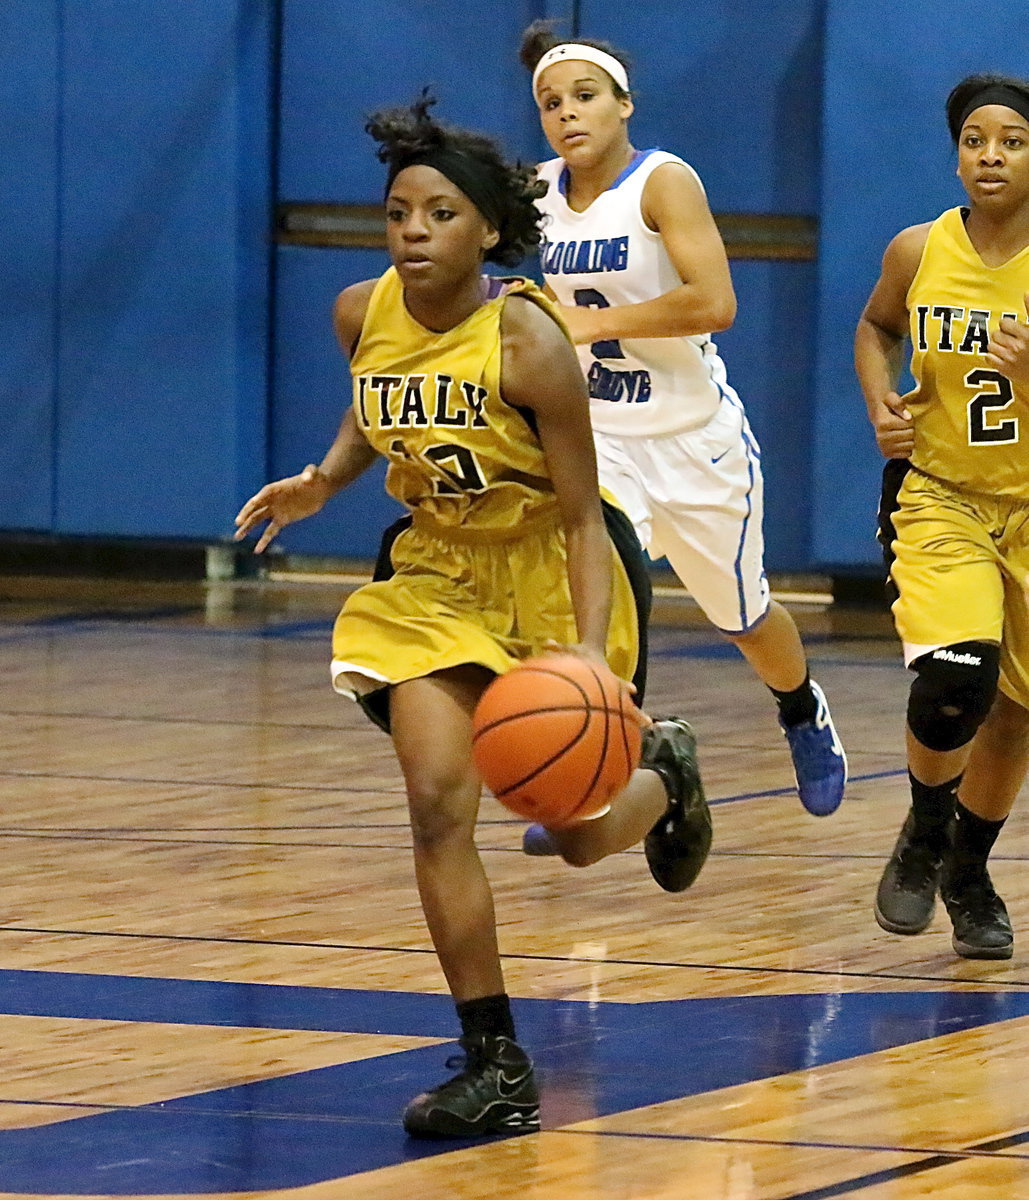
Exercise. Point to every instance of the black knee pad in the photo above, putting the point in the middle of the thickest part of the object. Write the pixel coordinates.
(953, 693)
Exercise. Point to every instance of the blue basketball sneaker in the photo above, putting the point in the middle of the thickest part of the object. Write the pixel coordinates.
(539, 842)
(819, 762)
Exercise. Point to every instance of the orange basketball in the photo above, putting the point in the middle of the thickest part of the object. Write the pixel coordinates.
(556, 738)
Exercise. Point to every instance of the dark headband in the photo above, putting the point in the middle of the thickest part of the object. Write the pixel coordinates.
(466, 174)
(994, 93)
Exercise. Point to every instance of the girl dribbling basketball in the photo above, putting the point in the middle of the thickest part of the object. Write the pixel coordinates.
(469, 387)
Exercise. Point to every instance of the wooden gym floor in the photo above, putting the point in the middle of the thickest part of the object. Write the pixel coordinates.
(214, 977)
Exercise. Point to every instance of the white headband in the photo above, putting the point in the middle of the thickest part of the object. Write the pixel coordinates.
(576, 51)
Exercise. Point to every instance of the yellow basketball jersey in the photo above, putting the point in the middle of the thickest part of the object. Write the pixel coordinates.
(969, 418)
(430, 403)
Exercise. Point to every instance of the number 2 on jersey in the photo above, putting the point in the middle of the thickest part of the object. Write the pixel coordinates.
(591, 298)
(999, 395)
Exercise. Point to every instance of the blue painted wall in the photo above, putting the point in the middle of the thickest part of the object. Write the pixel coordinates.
(732, 115)
(339, 63)
(887, 163)
(310, 393)
(342, 61)
(134, 373)
(734, 88)
(29, 120)
(160, 357)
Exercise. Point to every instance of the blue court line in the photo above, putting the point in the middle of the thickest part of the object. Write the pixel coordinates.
(719, 652)
(221, 1003)
(792, 791)
(835, 1019)
(593, 1060)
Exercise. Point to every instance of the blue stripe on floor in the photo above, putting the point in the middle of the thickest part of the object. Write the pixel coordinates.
(592, 1059)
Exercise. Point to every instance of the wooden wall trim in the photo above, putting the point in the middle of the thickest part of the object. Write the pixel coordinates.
(359, 226)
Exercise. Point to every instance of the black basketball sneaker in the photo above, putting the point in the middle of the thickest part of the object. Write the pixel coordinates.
(982, 927)
(495, 1092)
(678, 844)
(906, 897)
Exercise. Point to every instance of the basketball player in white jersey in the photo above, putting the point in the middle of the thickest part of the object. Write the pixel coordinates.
(633, 255)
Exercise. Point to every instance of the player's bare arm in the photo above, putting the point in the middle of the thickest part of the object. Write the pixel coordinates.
(674, 205)
(879, 343)
(559, 400)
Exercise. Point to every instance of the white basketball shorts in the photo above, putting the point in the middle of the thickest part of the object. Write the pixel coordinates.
(696, 499)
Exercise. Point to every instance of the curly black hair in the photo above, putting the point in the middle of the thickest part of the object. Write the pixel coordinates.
(502, 191)
(963, 93)
(540, 37)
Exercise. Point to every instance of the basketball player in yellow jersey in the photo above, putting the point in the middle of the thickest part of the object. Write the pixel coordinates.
(471, 390)
(959, 288)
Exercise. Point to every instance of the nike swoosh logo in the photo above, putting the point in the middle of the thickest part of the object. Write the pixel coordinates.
(720, 457)
(508, 1085)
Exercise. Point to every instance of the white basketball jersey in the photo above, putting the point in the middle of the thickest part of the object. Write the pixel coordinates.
(608, 256)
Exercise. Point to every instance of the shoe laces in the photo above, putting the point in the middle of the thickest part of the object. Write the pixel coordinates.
(914, 863)
(473, 1054)
(977, 896)
(467, 1065)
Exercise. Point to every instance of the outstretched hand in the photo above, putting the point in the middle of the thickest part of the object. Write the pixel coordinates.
(281, 503)
(1008, 350)
(894, 428)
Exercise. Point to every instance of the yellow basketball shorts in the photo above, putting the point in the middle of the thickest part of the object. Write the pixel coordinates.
(455, 599)
(961, 571)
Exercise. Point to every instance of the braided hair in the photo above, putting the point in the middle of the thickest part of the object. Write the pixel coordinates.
(503, 192)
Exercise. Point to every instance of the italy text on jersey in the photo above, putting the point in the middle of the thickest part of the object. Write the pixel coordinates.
(412, 401)
(950, 329)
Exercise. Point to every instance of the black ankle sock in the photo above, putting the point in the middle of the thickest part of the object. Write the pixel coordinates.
(933, 807)
(973, 838)
(796, 706)
(486, 1016)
